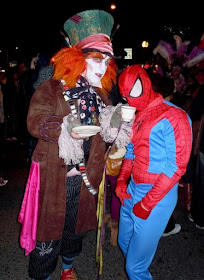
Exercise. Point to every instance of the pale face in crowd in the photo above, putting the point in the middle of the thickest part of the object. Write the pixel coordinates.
(96, 69)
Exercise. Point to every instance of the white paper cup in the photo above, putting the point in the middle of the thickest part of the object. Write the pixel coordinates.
(127, 112)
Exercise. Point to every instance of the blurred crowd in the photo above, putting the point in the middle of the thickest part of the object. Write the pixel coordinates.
(17, 88)
(17, 85)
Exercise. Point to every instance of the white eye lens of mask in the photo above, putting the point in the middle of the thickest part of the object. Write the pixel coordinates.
(137, 89)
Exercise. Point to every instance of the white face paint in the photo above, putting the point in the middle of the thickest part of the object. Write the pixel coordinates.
(96, 69)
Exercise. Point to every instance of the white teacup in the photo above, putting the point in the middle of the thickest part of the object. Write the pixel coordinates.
(127, 113)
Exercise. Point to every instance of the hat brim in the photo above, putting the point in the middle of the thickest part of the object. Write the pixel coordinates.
(96, 50)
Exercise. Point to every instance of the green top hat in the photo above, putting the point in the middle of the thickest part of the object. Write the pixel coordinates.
(87, 23)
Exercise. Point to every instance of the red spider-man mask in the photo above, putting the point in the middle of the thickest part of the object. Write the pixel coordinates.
(135, 86)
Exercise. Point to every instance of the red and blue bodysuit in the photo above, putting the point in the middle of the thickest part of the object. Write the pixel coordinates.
(155, 160)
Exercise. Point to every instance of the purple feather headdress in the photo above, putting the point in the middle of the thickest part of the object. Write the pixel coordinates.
(178, 56)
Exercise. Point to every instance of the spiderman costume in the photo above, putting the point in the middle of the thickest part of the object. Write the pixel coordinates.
(155, 160)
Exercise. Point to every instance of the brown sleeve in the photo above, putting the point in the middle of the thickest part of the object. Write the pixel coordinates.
(42, 121)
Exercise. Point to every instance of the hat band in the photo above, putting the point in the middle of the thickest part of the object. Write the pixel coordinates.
(98, 41)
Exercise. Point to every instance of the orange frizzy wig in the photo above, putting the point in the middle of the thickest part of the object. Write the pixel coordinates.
(70, 63)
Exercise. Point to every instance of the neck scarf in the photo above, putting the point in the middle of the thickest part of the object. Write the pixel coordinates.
(90, 103)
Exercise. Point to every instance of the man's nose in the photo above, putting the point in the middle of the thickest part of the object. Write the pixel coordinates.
(102, 65)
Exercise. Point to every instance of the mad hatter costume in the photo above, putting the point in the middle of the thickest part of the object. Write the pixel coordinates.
(66, 168)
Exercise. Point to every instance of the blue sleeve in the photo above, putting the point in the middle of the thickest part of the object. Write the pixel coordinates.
(129, 154)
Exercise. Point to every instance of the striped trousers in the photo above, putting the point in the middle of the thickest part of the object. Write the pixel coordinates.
(44, 257)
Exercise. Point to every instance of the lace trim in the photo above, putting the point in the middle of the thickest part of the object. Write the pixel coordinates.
(70, 149)
(109, 134)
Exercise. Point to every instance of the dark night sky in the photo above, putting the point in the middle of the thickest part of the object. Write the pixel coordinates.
(34, 26)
